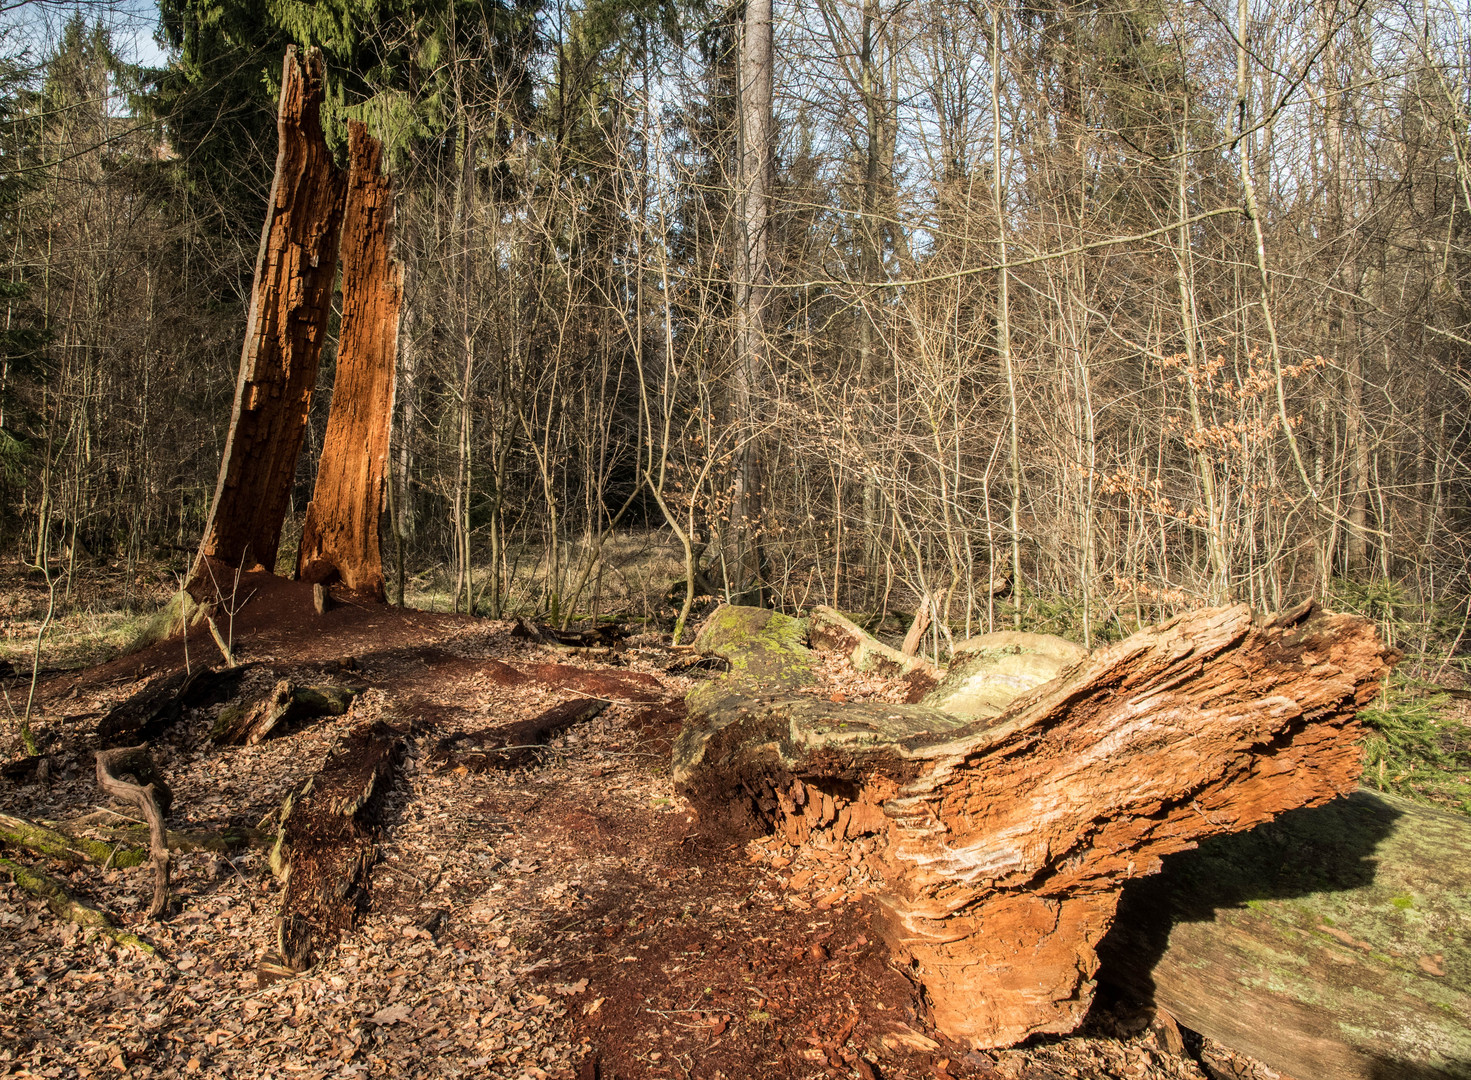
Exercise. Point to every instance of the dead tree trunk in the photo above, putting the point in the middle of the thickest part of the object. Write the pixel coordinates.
(326, 846)
(289, 308)
(340, 537)
(1002, 843)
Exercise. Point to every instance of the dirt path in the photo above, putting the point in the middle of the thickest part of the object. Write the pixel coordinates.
(566, 920)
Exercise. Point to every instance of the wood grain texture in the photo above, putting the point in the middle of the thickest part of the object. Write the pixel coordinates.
(1007, 840)
(340, 538)
(289, 309)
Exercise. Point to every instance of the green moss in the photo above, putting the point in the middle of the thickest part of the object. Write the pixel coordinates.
(1404, 903)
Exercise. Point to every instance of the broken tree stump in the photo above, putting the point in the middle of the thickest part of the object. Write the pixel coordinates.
(1331, 944)
(129, 774)
(340, 535)
(290, 306)
(1002, 843)
(285, 708)
(326, 846)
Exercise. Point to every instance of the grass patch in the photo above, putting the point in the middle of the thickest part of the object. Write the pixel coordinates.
(1419, 745)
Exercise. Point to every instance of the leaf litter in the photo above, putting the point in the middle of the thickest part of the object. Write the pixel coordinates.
(565, 920)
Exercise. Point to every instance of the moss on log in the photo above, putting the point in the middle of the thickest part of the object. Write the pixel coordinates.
(55, 844)
(765, 648)
(1332, 944)
(284, 708)
(65, 906)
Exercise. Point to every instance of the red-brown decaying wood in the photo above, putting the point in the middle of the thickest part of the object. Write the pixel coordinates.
(289, 308)
(340, 536)
(1006, 842)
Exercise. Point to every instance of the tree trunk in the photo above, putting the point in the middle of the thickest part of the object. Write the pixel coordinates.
(752, 280)
(341, 531)
(1000, 845)
(289, 308)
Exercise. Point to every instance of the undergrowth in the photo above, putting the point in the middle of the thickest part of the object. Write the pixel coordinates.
(1419, 744)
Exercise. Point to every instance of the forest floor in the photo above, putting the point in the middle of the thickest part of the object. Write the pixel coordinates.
(565, 919)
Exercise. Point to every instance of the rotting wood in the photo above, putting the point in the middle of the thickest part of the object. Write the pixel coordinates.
(66, 906)
(326, 846)
(339, 538)
(518, 744)
(319, 598)
(164, 701)
(129, 774)
(289, 309)
(1005, 841)
(1331, 944)
(286, 707)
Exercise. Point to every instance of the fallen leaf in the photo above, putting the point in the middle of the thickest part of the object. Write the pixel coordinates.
(567, 989)
(394, 1014)
(593, 1006)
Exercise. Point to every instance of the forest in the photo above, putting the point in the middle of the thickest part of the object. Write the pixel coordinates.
(535, 704)
(1062, 314)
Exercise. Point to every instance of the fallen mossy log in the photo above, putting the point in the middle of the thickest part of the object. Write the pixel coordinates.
(1332, 944)
(516, 745)
(285, 708)
(163, 702)
(1002, 844)
(326, 846)
(47, 840)
(66, 906)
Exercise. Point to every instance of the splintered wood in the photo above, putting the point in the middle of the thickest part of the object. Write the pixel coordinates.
(287, 326)
(339, 538)
(1001, 845)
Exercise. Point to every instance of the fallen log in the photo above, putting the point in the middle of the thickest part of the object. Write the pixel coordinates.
(129, 774)
(43, 839)
(1332, 944)
(286, 707)
(326, 846)
(164, 701)
(1001, 844)
(518, 744)
(66, 906)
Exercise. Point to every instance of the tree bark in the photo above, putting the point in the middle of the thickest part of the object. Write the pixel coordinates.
(289, 308)
(326, 846)
(1001, 844)
(752, 284)
(340, 536)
